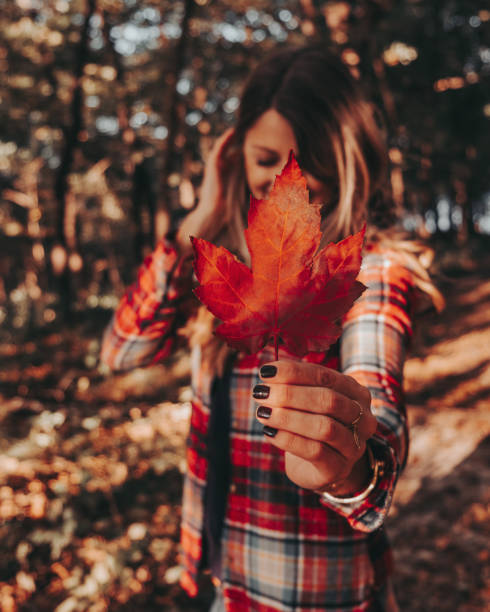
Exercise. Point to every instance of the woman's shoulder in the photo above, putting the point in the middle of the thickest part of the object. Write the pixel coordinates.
(390, 290)
(386, 265)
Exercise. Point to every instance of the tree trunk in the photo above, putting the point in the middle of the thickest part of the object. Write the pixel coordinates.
(71, 133)
(163, 217)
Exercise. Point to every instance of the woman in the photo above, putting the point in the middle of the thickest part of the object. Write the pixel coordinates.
(291, 464)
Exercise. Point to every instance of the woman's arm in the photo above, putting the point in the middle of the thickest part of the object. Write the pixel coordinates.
(142, 330)
(375, 336)
(311, 408)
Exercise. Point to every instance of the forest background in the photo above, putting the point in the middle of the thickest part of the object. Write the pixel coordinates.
(107, 111)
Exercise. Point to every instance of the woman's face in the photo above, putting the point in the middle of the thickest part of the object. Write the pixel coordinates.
(266, 150)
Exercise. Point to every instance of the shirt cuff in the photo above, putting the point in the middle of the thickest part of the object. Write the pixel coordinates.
(369, 514)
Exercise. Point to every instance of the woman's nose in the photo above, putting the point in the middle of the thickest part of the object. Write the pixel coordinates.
(265, 189)
(269, 178)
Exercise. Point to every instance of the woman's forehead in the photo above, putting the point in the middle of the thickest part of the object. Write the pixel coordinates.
(271, 133)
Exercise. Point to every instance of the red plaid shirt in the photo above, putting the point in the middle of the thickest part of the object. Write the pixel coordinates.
(282, 548)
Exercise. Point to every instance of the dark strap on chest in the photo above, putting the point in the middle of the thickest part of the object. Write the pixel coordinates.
(219, 468)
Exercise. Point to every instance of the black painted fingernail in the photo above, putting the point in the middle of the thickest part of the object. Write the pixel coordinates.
(264, 412)
(269, 431)
(268, 371)
(261, 392)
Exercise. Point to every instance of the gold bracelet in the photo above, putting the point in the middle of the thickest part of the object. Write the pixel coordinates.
(377, 468)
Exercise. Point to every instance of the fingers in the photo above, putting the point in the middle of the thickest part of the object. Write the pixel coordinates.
(221, 143)
(312, 374)
(319, 400)
(211, 193)
(302, 428)
(310, 410)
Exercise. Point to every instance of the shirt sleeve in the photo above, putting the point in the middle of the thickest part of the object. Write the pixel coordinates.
(374, 339)
(142, 329)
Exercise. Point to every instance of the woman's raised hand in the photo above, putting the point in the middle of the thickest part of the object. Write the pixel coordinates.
(211, 197)
(203, 220)
(321, 419)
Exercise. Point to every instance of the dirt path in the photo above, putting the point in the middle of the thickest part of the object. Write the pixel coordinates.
(440, 521)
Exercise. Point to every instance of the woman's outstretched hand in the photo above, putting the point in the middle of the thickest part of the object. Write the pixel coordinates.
(308, 411)
(203, 219)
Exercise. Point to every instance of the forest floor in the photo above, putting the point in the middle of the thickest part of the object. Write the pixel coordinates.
(91, 467)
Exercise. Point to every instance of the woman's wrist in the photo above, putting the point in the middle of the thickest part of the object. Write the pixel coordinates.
(197, 223)
(357, 480)
(182, 239)
(336, 492)
(360, 478)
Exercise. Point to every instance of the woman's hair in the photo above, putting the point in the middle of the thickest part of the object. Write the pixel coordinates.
(338, 136)
(340, 142)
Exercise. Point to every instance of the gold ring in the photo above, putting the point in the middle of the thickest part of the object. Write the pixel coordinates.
(353, 426)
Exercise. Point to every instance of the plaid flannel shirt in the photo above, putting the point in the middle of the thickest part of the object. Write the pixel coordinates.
(282, 547)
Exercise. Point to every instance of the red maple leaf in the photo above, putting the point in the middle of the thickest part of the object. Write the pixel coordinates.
(294, 294)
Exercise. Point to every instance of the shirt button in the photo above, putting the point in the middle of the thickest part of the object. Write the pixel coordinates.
(233, 488)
